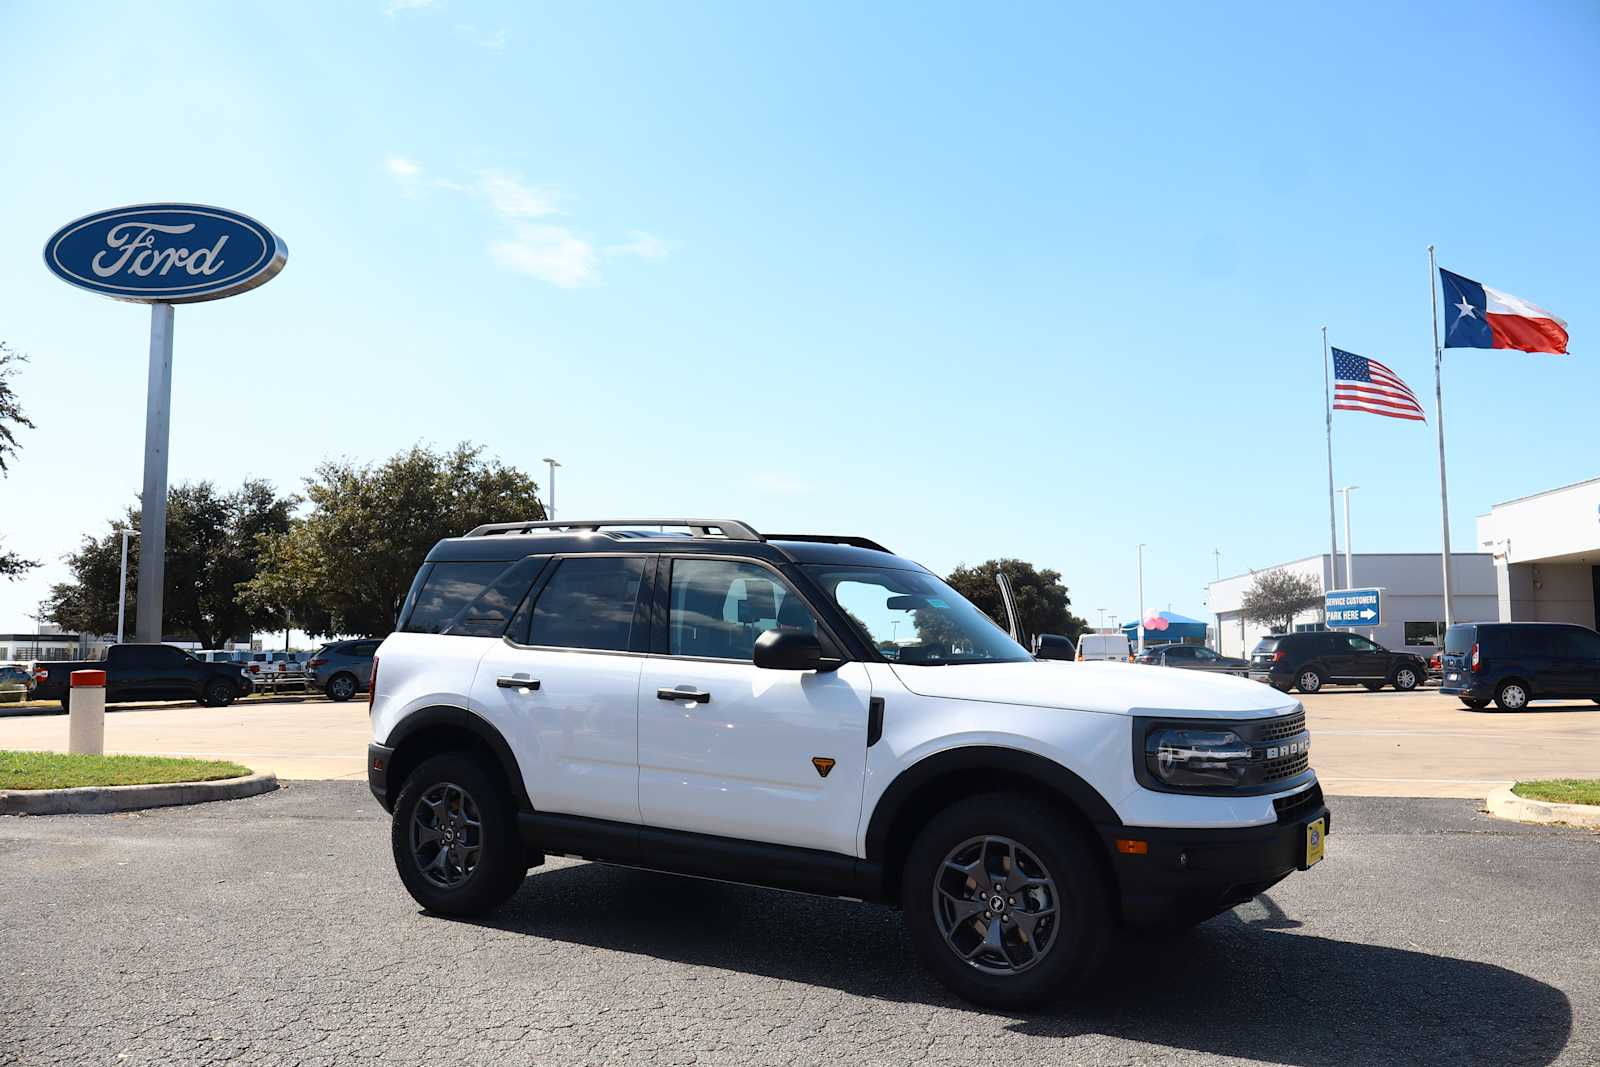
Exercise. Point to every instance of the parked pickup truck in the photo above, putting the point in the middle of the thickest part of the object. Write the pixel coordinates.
(146, 672)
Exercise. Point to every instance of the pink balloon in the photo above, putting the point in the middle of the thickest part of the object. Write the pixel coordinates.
(1161, 623)
(1152, 622)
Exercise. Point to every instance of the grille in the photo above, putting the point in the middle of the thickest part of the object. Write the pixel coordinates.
(1274, 770)
(1287, 726)
(1290, 808)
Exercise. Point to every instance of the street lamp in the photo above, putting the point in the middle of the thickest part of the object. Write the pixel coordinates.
(1102, 612)
(1349, 572)
(550, 508)
(122, 590)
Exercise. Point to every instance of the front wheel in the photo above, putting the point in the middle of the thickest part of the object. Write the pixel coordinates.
(454, 837)
(1006, 901)
(1406, 679)
(1475, 703)
(218, 694)
(1310, 680)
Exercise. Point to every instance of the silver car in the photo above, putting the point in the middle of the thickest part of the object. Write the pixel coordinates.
(343, 668)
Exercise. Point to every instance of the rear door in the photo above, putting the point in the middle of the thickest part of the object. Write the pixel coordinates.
(766, 755)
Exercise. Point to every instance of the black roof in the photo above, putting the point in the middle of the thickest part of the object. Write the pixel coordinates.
(724, 537)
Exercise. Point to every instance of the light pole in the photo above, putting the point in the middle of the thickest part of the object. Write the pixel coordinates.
(550, 508)
(1102, 612)
(1349, 573)
(1216, 555)
(1139, 623)
(122, 590)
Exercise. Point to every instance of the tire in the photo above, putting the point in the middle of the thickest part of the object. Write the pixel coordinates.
(1406, 679)
(66, 702)
(1475, 703)
(1047, 869)
(341, 687)
(1512, 695)
(478, 869)
(1372, 687)
(218, 694)
(1310, 680)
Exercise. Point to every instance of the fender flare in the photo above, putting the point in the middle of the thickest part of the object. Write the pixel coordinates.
(1027, 766)
(457, 718)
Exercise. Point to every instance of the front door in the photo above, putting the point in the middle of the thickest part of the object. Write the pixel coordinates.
(730, 749)
(563, 687)
(1362, 660)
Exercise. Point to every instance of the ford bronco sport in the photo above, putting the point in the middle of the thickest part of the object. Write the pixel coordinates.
(815, 713)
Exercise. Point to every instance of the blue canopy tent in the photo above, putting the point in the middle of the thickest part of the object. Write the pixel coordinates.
(1180, 630)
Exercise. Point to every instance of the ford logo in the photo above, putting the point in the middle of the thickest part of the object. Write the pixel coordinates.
(165, 253)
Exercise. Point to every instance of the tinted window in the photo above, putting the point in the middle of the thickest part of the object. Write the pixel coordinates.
(469, 599)
(1204, 654)
(1458, 640)
(589, 603)
(1579, 645)
(1361, 644)
(1534, 642)
(719, 608)
(1423, 633)
(1180, 653)
(363, 648)
(1265, 645)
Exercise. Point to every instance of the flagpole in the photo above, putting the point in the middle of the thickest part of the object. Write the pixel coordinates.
(1438, 410)
(1327, 411)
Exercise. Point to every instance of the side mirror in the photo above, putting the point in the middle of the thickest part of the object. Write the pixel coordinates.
(1054, 646)
(788, 650)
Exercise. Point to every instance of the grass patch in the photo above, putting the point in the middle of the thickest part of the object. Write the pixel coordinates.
(1560, 790)
(57, 770)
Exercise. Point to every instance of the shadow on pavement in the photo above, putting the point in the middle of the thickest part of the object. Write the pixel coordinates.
(1240, 987)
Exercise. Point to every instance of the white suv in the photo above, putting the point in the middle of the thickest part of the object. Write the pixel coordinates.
(815, 713)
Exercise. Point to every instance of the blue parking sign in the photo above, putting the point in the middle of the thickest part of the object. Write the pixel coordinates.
(1353, 607)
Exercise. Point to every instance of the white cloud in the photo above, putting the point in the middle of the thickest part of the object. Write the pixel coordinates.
(492, 41)
(508, 195)
(397, 6)
(641, 244)
(550, 253)
(401, 167)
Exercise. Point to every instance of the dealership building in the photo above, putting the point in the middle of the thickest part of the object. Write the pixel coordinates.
(1413, 597)
(1546, 550)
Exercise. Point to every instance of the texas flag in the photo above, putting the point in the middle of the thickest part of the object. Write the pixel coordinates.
(1477, 316)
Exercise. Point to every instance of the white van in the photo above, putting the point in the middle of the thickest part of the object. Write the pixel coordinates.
(1104, 646)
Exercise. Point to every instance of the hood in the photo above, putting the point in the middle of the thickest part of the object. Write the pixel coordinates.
(1104, 687)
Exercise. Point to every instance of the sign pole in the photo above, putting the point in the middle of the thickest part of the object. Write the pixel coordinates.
(153, 504)
(1438, 413)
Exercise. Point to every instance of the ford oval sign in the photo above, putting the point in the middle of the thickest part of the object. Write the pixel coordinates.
(165, 253)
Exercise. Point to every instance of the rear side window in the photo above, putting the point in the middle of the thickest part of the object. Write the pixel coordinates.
(473, 599)
(590, 602)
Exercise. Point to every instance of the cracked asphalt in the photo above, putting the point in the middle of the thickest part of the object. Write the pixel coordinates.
(274, 931)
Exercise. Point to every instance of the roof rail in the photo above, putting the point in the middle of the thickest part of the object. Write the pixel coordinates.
(728, 529)
(829, 539)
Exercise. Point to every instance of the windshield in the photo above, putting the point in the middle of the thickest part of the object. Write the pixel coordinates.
(912, 617)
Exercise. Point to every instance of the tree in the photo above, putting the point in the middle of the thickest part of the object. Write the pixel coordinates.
(11, 419)
(214, 544)
(346, 566)
(1043, 604)
(1275, 597)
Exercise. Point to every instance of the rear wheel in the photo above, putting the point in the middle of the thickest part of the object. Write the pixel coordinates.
(1406, 679)
(454, 837)
(341, 687)
(1006, 901)
(1475, 703)
(1310, 680)
(1511, 696)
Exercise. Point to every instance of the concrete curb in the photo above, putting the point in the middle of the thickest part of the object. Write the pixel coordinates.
(1507, 805)
(103, 799)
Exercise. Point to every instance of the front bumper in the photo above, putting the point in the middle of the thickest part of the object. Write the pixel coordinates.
(1189, 874)
(378, 757)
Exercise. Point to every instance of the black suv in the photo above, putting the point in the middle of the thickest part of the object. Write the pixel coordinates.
(1310, 661)
(1512, 663)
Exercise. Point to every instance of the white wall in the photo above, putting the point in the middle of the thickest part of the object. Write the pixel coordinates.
(1546, 547)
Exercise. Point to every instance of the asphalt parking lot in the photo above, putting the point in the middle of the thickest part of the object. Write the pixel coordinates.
(274, 931)
(1416, 744)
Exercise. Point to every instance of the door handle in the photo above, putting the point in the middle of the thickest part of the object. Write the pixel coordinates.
(505, 682)
(697, 696)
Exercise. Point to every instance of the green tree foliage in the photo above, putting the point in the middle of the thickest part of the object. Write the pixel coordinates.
(214, 544)
(1043, 603)
(1275, 597)
(11, 419)
(346, 566)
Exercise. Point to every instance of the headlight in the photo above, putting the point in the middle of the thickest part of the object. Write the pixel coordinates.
(1189, 757)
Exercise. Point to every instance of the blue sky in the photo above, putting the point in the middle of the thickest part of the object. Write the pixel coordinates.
(1037, 281)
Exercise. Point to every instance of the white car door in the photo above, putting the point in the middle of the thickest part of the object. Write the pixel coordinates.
(761, 755)
(563, 687)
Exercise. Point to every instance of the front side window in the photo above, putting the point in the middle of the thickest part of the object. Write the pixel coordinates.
(1204, 654)
(914, 618)
(1361, 644)
(591, 602)
(719, 608)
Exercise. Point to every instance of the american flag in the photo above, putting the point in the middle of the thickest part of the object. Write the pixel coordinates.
(1362, 384)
